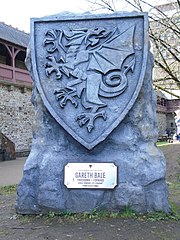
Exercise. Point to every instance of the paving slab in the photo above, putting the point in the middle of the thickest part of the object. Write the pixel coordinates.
(11, 172)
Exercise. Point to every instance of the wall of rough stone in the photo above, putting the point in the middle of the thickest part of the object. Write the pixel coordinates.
(162, 122)
(16, 115)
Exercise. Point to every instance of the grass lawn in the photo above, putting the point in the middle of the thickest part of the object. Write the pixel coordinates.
(162, 143)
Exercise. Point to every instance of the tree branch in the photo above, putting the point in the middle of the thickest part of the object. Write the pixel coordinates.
(165, 90)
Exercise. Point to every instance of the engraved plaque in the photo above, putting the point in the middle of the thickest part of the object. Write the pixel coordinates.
(90, 175)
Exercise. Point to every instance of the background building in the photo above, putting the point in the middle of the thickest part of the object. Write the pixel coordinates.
(166, 109)
(164, 30)
(16, 111)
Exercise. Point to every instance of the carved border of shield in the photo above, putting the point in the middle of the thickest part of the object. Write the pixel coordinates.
(71, 17)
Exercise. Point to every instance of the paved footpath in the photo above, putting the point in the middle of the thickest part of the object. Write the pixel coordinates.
(11, 171)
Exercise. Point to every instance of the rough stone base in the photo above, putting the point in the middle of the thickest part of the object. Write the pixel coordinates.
(131, 146)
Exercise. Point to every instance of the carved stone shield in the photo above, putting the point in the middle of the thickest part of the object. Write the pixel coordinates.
(89, 69)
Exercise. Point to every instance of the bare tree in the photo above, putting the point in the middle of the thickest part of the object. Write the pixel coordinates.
(164, 31)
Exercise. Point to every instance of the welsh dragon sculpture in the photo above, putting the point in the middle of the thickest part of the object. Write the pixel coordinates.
(95, 63)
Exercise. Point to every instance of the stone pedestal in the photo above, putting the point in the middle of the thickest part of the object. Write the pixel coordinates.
(131, 146)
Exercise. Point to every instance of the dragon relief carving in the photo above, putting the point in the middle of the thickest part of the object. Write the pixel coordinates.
(95, 63)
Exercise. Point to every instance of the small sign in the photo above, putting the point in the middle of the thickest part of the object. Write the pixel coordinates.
(90, 175)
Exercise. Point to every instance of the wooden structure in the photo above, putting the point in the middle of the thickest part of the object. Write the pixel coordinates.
(13, 45)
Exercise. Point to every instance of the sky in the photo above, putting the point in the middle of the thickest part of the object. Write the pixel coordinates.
(17, 13)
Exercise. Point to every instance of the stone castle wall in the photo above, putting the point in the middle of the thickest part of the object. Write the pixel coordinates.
(16, 115)
(162, 122)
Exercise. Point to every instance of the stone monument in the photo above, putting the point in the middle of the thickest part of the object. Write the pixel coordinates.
(95, 130)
